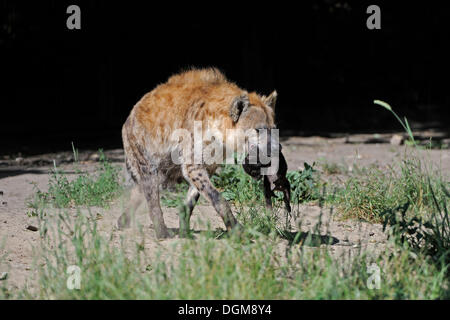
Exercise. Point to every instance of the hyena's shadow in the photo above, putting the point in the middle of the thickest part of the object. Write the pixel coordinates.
(193, 233)
(307, 238)
(303, 238)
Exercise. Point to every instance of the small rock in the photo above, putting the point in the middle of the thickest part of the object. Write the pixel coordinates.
(4, 203)
(396, 140)
(19, 160)
(32, 228)
(3, 275)
(94, 157)
(371, 233)
(1, 193)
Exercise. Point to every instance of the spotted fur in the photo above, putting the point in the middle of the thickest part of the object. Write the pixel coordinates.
(195, 95)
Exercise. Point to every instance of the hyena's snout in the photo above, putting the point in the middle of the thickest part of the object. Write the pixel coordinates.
(263, 156)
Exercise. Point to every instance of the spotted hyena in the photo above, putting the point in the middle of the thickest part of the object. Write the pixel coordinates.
(196, 96)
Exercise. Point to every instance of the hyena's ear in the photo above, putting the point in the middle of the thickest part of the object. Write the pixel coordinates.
(238, 105)
(271, 100)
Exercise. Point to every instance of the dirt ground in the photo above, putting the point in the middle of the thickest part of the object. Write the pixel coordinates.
(17, 176)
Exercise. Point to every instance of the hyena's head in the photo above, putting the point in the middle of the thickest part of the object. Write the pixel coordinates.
(252, 111)
(255, 113)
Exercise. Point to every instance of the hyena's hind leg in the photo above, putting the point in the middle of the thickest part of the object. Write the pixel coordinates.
(186, 210)
(145, 175)
(150, 187)
(135, 201)
(198, 177)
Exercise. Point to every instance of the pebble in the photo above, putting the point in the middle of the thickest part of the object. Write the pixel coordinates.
(32, 228)
(3, 275)
(396, 140)
(371, 234)
(94, 157)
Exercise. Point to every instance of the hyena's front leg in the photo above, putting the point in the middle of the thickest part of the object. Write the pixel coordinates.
(198, 177)
(186, 210)
(150, 187)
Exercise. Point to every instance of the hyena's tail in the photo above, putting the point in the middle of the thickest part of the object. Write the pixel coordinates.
(130, 179)
(131, 165)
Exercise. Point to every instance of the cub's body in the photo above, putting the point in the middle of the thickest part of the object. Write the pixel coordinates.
(205, 96)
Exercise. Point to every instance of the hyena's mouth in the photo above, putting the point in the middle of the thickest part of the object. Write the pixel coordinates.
(262, 148)
(262, 161)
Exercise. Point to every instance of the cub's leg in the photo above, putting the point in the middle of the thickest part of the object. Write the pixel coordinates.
(150, 187)
(186, 210)
(197, 176)
(135, 201)
(268, 194)
(287, 194)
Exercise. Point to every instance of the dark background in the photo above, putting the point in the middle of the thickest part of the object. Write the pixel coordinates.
(61, 85)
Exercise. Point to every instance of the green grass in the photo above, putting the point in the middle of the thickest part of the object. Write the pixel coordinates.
(306, 184)
(86, 189)
(238, 187)
(371, 192)
(331, 168)
(411, 199)
(255, 266)
(174, 198)
(246, 194)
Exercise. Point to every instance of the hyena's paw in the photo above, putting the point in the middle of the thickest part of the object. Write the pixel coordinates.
(124, 221)
(237, 230)
(162, 232)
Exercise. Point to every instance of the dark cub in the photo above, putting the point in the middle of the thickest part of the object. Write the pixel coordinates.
(276, 182)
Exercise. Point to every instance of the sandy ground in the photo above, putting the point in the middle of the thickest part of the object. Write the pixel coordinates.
(17, 175)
